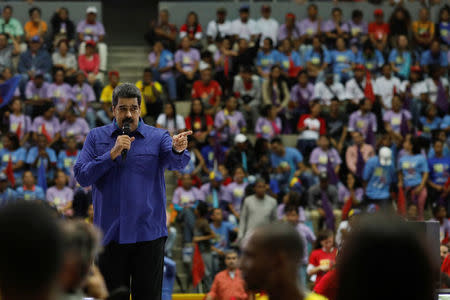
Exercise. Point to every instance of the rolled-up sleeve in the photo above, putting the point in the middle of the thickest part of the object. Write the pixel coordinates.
(169, 158)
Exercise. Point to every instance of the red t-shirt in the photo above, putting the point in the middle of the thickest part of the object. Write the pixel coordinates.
(198, 123)
(328, 285)
(209, 92)
(312, 125)
(445, 268)
(379, 30)
(319, 257)
(191, 31)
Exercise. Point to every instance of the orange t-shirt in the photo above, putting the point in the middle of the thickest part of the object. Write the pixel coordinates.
(32, 29)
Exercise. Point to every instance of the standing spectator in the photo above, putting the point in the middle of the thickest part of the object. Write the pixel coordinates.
(267, 26)
(379, 31)
(198, 121)
(358, 154)
(401, 58)
(268, 124)
(310, 126)
(275, 90)
(83, 95)
(241, 154)
(433, 56)
(289, 30)
(192, 29)
(229, 122)
(13, 152)
(235, 192)
(335, 28)
(36, 92)
(337, 121)
(19, 123)
(397, 121)
(75, 126)
(35, 26)
(60, 93)
(311, 26)
(257, 209)
(207, 90)
(363, 119)
(266, 59)
(317, 60)
(439, 167)
(187, 64)
(151, 91)
(289, 61)
(170, 120)
(162, 31)
(29, 191)
(42, 154)
(415, 93)
(162, 63)
(35, 60)
(247, 89)
(244, 27)
(60, 195)
(343, 61)
(62, 27)
(324, 159)
(220, 28)
(378, 175)
(386, 87)
(355, 87)
(10, 25)
(371, 58)
(357, 28)
(413, 174)
(323, 257)
(399, 24)
(326, 90)
(47, 125)
(7, 51)
(62, 58)
(443, 26)
(105, 114)
(423, 29)
(92, 30)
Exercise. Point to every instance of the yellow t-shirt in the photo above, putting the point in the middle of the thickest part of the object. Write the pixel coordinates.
(148, 91)
(107, 94)
(423, 29)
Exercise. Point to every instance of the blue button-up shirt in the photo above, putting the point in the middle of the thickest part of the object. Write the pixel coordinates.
(129, 196)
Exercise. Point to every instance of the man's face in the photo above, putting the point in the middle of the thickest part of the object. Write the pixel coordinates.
(337, 15)
(357, 138)
(359, 74)
(244, 16)
(164, 17)
(28, 178)
(217, 215)
(444, 252)
(71, 144)
(186, 181)
(42, 142)
(290, 21)
(221, 17)
(246, 76)
(7, 13)
(3, 41)
(38, 81)
(91, 17)
(127, 108)
(114, 80)
(260, 189)
(367, 105)
(34, 46)
(265, 13)
(276, 148)
(253, 263)
(438, 147)
(206, 75)
(327, 243)
(147, 78)
(312, 12)
(239, 175)
(60, 178)
(292, 217)
(231, 261)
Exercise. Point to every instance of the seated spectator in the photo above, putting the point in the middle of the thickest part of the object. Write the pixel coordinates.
(245, 55)
(162, 31)
(337, 121)
(19, 123)
(371, 58)
(267, 26)
(309, 27)
(326, 90)
(64, 59)
(235, 192)
(247, 90)
(12, 152)
(47, 125)
(317, 60)
(200, 123)
(213, 192)
(151, 91)
(75, 126)
(441, 136)
(90, 29)
(386, 87)
(7, 194)
(413, 174)
(324, 159)
(355, 87)
(310, 126)
(244, 27)
(289, 30)
(437, 88)
(415, 93)
(302, 93)
(229, 122)
(268, 125)
(35, 60)
(443, 26)
(399, 24)
(192, 29)
(83, 95)
(266, 59)
(257, 209)
(433, 56)
(430, 121)
(105, 114)
(42, 154)
(440, 215)
(323, 257)
(335, 28)
(378, 175)
(187, 61)
(67, 157)
(275, 90)
(289, 61)
(62, 28)
(36, 93)
(379, 31)
(10, 25)
(35, 26)
(170, 120)
(29, 191)
(59, 92)
(7, 51)
(162, 63)
(363, 120)
(423, 29)
(401, 58)
(357, 28)
(439, 167)
(207, 90)
(219, 28)
(60, 195)
(397, 121)
(352, 191)
(89, 63)
(223, 61)
(358, 154)
(343, 61)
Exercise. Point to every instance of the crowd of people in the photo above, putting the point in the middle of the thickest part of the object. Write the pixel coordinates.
(369, 103)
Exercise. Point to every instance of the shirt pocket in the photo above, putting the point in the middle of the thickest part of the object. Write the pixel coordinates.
(102, 147)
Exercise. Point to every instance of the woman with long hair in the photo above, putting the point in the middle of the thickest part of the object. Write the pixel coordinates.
(170, 120)
(13, 152)
(317, 60)
(200, 123)
(192, 29)
(401, 58)
(275, 91)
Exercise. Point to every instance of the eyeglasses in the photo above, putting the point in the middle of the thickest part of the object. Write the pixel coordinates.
(133, 109)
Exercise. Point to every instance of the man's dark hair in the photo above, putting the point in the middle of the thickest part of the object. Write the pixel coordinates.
(126, 90)
(276, 140)
(385, 257)
(31, 248)
(8, 7)
(33, 9)
(148, 70)
(357, 13)
(202, 209)
(336, 9)
(290, 207)
(416, 145)
(12, 137)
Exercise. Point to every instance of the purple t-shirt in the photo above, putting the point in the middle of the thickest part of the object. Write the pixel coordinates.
(59, 198)
(300, 94)
(283, 32)
(356, 29)
(22, 121)
(308, 27)
(83, 95)
(60, 94)
(344, 193)
(236, 120)
(360, 122)
(235, 193)
(187, 59)
(91, 31)
(329, 26)
(309, 238)
(52, 126)
(301, 213)
(34, 93)
(265, 128)
(206, 192)
(321, 157)
(79, 129)
(187, 198)
(395, 119)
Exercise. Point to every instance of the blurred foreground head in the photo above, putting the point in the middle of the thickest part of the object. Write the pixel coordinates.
(385, 258)
(30, 252)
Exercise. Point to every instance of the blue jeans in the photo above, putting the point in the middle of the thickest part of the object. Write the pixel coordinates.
(187, 217)
(172, 235)
(170, 83)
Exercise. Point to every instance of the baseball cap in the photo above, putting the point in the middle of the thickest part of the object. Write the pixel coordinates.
(240, 138)
(90, 43)
(221, 10)
(359, 67)
(35, 39)
(244, 8)
(378, 12)
(290, 15)
(91, 10)
(113, 73)
(3, 177)
(385, 156)
(416, 69)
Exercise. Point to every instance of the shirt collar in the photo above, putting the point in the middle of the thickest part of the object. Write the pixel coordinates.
(114, 129)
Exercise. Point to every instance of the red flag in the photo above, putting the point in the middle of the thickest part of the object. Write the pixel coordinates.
(347, 207)
(9, 172)
(394, 91)
(368, 89)
(401, 202)
(226, 66)
(198, 267)
(19, 130)
(44, 132)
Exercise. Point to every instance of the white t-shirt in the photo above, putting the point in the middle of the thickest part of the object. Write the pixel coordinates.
(432, 88)
(385, 89)
(322, 92)
(244, 30)
(170, 126)
(213, 28)
(417, 88)
(353, 92)
(268, 28)
(312, 130)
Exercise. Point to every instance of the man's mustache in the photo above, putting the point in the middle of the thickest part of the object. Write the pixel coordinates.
(127, 120)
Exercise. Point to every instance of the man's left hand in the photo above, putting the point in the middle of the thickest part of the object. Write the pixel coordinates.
(180, 141)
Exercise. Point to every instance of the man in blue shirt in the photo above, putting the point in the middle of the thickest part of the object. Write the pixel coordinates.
(7, 194)
(379, 173)
(30, 191)
(434, 56)
(222, 230)
(42, 154)
(128, 193)
(439, 167)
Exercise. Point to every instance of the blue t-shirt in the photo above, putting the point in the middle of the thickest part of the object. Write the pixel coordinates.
(16, 156)
(428, 59)
(445, 122)
(428, 127)
(372, 63)
(342, 60)
(412, 168)
(402, 61)
(379, 178)
(9, 195)
(316, 58)
(36, 194)
(169, 275)
(66, 162)
(445, 152)
(266, 61)
(439, 169)
(208, 155)
(285, 63)
(31, 157)
(165, 59)
(222, 239)
(291, 156)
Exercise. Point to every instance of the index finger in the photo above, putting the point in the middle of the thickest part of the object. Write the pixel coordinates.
(185, 133)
